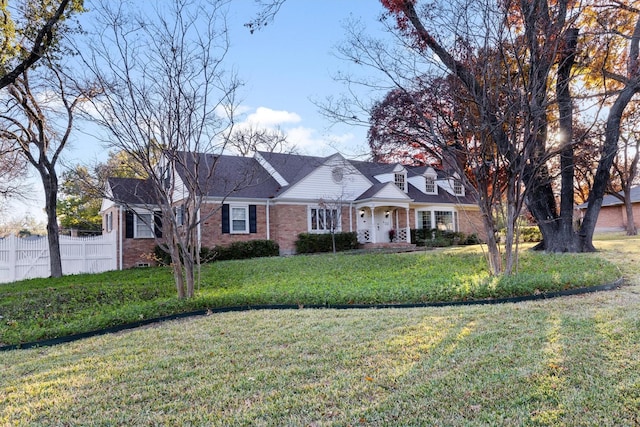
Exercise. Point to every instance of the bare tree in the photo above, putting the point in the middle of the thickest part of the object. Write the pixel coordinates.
(38, 120)
(12, 172)
(167, 98)
(248, 140)
(625, 166)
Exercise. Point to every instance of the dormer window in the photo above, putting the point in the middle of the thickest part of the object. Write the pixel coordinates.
(458, 189)
(400, 181)
(430, 185)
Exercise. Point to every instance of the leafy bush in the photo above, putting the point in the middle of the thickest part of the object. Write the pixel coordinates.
(246, 250)
(309, 243)
(237, 250)
(530, 234)
(441, 238)
(527, 234)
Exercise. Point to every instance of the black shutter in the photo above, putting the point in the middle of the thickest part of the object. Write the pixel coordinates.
(157, 223)
(128, 222)
(225, 219)
(253, 219)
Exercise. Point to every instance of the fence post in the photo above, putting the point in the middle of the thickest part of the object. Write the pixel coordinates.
(13, 250)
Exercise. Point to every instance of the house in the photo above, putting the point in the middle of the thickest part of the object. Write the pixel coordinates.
(613, 215)
(278, 196)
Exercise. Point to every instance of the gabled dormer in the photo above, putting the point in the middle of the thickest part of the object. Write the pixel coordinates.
(453, 185)
(425, 180)
(396, 174)
(430, 177)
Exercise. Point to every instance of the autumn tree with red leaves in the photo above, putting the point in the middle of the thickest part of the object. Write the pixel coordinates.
(539, 53)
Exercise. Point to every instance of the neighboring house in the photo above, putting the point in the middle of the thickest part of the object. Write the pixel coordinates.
(613, 215)
(278, 196)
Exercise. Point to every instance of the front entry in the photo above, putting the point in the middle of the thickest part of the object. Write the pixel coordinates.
(383, 224)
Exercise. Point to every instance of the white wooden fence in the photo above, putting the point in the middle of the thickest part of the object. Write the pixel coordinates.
(29, 258)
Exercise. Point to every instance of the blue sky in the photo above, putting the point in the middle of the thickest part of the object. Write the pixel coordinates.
(285, 66)
(291, 63)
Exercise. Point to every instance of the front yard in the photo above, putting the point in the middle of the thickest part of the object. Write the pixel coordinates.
(565, 361)
(47, 308)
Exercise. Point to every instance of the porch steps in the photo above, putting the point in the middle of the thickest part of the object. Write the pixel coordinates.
(391, 247)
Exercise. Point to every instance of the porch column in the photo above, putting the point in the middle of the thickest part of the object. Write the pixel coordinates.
(408, 227)
(372, 228)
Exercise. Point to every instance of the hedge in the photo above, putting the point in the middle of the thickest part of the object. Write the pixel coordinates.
(441, 238)
(236, 250)
(308, 243)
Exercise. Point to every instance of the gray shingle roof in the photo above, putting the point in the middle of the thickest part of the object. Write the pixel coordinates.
(228, 176)
(132, 191)
(293, 167)
(610, 200)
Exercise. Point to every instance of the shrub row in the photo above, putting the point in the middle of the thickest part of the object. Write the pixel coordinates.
(441, 238)
(308, 243)
(236, 250)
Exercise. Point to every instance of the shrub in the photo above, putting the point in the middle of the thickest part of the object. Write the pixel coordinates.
(245, 250)
(441, 238)
(237, 250)
(308, 243)
(527, 234)
(530, 234)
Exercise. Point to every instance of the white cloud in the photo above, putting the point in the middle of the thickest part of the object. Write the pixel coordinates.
(306, 139)
(268, 118)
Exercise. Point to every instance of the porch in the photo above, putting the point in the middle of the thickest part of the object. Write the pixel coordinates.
(383, 225)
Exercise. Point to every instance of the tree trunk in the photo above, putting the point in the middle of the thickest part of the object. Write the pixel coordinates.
(50, 184)
(631, 225)
(609, 149)
(495, 257)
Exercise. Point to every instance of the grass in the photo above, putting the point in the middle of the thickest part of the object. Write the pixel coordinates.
(566, 361)
(48, 308)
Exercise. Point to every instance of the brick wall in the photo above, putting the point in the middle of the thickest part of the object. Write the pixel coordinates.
(287, 221)
(137, 251)
(470, 222)
(211, 229)
(614, 218)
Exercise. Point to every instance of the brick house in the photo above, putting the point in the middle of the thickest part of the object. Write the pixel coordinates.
(613, 215)
(278, 196)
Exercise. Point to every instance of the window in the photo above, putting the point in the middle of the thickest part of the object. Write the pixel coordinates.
(424, 219)
(323, 219)
(143, 226)
(399, 180)
(430, 186)
(239, 216)
(109, 222)
(239, 219)
(180, 217)
(458, 190)
(444, 221)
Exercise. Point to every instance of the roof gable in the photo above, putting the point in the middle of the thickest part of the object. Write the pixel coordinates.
(384, 191)
(131, 191)
(332, 177)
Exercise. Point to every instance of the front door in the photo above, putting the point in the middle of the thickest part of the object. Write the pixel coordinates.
(384, 224)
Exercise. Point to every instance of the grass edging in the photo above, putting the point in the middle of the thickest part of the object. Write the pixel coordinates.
(203, 312)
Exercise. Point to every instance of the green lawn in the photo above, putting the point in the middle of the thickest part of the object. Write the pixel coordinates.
(565, 361)
(48, 308)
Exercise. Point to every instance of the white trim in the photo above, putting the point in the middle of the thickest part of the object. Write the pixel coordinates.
(245, 208)
(325, 229)
(271, 170)
(268, 220)
(121, 236)
(137, 220)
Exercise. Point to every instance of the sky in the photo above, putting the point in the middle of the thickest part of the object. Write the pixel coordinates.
(286, 67)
